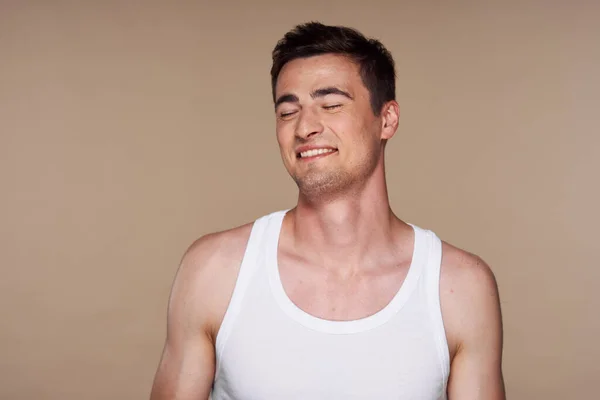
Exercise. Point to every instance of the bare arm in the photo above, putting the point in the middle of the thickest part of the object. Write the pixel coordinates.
(471, 306)
(198, 301)
(186, 368)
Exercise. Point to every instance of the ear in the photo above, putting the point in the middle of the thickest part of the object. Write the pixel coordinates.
(390, 114)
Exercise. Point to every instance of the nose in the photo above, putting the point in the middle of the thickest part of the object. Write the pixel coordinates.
(308, 124)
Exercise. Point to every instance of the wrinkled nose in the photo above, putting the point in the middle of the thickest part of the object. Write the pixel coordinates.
(308, 124)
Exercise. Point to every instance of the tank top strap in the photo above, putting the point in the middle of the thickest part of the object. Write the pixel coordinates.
(261, 231)
(431, 277)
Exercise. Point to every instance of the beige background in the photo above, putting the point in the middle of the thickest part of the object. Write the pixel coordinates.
(129, 128)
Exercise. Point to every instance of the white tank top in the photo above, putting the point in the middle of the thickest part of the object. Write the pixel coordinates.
(269, 349)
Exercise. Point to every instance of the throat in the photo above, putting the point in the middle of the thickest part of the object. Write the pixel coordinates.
(341, 236)
(324, 294)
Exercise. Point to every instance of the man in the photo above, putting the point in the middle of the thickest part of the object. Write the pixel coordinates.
(336, 298)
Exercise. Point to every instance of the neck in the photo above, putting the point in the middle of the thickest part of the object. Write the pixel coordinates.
(349, 230)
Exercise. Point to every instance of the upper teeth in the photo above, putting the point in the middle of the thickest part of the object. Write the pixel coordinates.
(314, 152)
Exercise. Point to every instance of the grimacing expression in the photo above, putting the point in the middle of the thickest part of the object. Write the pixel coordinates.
(329, 138)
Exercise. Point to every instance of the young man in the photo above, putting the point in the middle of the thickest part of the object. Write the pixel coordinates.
(337, 298)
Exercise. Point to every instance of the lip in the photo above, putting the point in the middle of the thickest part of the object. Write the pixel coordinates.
(314, 147)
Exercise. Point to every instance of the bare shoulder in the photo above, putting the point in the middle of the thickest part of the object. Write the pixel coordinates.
(466, 272)
(207, 274)
(469, 296)
(216, 251)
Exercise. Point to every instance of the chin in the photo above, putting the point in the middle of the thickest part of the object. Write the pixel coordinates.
(323, 184)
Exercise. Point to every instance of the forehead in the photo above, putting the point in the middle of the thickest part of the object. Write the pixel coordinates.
(307, 74)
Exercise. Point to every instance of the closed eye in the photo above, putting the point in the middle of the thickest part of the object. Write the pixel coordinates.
(286, 114)
(332, 107)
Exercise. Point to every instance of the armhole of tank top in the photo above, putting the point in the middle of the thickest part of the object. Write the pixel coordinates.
(247, 268)
(435, 308)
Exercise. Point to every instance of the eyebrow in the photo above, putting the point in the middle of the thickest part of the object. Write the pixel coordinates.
(292, 98)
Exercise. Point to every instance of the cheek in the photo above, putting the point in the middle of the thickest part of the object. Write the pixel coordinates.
(343, 125)
(281, 132)
(285, 139)
(354, 132)
(364, 148)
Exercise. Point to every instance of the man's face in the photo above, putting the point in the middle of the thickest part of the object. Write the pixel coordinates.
(329, 138)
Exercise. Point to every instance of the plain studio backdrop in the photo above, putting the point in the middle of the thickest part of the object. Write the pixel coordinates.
(130, 128)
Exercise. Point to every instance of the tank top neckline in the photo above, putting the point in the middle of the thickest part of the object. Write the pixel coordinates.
(335, 326)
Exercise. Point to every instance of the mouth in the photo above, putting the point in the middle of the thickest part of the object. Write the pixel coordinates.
(315, 153)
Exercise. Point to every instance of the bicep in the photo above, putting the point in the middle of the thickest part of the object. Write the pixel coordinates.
(477, 374)
(476, 321)
(186, 369)
(199, 298)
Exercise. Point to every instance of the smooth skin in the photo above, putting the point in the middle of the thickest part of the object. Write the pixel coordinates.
(342, 238)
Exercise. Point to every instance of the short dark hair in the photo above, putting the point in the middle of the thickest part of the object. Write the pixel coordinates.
(375, 62)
